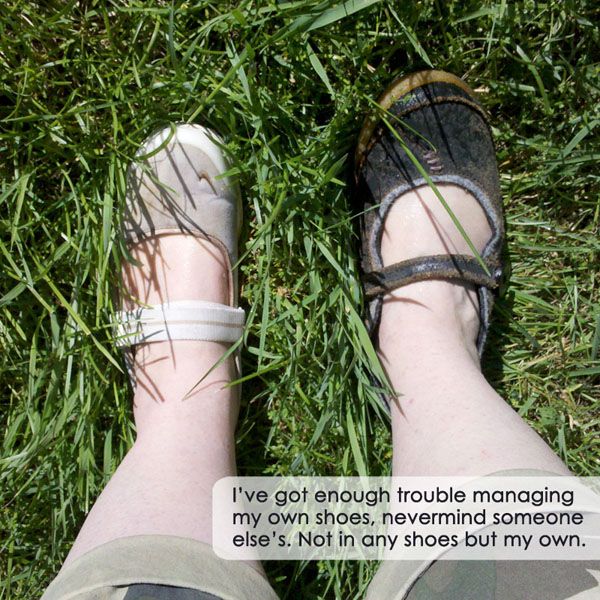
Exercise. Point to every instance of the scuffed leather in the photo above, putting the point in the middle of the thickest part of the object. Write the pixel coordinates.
(448, 132)
(178, 188)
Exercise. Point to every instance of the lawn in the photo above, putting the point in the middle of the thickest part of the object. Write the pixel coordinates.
(288, 85)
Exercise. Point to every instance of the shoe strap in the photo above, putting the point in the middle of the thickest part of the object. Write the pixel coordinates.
(458, 267)
(181, 320)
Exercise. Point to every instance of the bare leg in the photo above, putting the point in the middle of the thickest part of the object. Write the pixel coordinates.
(185, 440)
(448, 420)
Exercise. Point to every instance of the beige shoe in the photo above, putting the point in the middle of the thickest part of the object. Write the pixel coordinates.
(176, 186)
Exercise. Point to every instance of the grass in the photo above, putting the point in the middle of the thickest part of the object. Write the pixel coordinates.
(287, 84)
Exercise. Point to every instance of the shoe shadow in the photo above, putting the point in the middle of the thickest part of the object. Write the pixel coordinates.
(499, 335)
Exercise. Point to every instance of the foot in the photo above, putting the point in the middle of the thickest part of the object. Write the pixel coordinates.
(169, 268)
(181, 223)
(433, 129)
(418, 225)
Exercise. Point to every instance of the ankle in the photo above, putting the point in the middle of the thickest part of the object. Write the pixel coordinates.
(430, 315)
(181, 370)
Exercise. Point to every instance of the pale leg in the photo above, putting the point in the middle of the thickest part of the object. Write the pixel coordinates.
(185, 429)
(447, 420)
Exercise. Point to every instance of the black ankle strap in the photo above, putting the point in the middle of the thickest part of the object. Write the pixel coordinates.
(459, 267)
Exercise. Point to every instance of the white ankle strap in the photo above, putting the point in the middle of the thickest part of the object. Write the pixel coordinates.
(182, 320)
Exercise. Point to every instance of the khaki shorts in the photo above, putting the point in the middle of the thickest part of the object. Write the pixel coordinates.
(149, 567)
(486, 580)
(156, 567)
